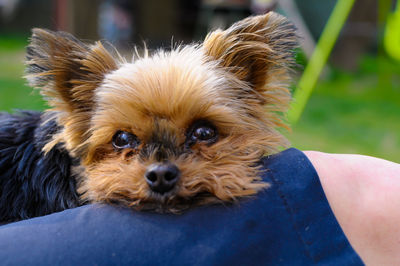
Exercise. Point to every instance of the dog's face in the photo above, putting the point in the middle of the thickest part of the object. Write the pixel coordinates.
(173, 129)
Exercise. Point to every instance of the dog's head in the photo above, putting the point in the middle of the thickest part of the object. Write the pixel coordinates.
(171, 129)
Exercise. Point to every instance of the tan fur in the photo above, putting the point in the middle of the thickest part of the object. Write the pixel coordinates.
(237, 80)
(70, 72)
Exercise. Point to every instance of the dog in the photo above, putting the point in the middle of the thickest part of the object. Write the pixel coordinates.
(163, 132)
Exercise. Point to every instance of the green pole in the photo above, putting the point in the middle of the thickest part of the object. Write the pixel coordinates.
(318, 59)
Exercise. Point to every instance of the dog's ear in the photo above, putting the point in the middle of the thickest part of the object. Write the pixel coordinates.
(258, 50)
(67, 72)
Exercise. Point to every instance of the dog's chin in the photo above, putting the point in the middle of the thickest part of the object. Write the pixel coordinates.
(171, 202)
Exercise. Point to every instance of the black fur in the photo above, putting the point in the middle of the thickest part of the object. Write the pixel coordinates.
(32, 183)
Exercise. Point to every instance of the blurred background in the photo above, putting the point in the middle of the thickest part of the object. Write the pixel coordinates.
(355, 104)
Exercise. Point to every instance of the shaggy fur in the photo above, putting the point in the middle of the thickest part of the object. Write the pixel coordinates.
(235, 81)
(32, 184)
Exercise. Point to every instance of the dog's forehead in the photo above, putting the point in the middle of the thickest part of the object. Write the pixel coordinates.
(177, 88)
(167, 85)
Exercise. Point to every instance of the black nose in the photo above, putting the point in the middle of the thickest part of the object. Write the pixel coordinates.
(162, 177)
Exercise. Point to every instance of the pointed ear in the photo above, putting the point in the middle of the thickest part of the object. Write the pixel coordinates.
(67, 72)
(258, 50)
(65, 69)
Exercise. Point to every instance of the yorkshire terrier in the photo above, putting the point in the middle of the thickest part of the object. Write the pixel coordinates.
(163, 132)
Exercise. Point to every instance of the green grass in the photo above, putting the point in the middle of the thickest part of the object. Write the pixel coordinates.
(354, 113)
(14, 93)
(347, 113)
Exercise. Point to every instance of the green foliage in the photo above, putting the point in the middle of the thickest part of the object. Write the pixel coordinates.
(12, 42)
(354, 113)
(14, 93)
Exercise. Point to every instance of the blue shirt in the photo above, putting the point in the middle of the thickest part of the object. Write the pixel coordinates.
(290, 223)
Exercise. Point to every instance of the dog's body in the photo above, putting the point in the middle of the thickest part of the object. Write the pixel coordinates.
(32, 184)
(165, 132)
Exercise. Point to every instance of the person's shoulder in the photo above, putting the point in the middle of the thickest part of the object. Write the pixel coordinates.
(364, 194)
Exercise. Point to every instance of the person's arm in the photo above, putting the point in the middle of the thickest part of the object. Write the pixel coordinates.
(364, 194)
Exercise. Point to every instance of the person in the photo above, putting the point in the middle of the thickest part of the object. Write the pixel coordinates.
(364, 194)
(321, 209)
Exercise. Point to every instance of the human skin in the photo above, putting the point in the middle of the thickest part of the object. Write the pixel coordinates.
(364, 194)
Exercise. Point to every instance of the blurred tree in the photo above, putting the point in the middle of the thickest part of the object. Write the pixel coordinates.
(359, 36)
(26, 15)
(78, 17)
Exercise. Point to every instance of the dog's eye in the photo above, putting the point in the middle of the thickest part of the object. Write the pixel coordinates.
(123, 139)
(203, 131)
